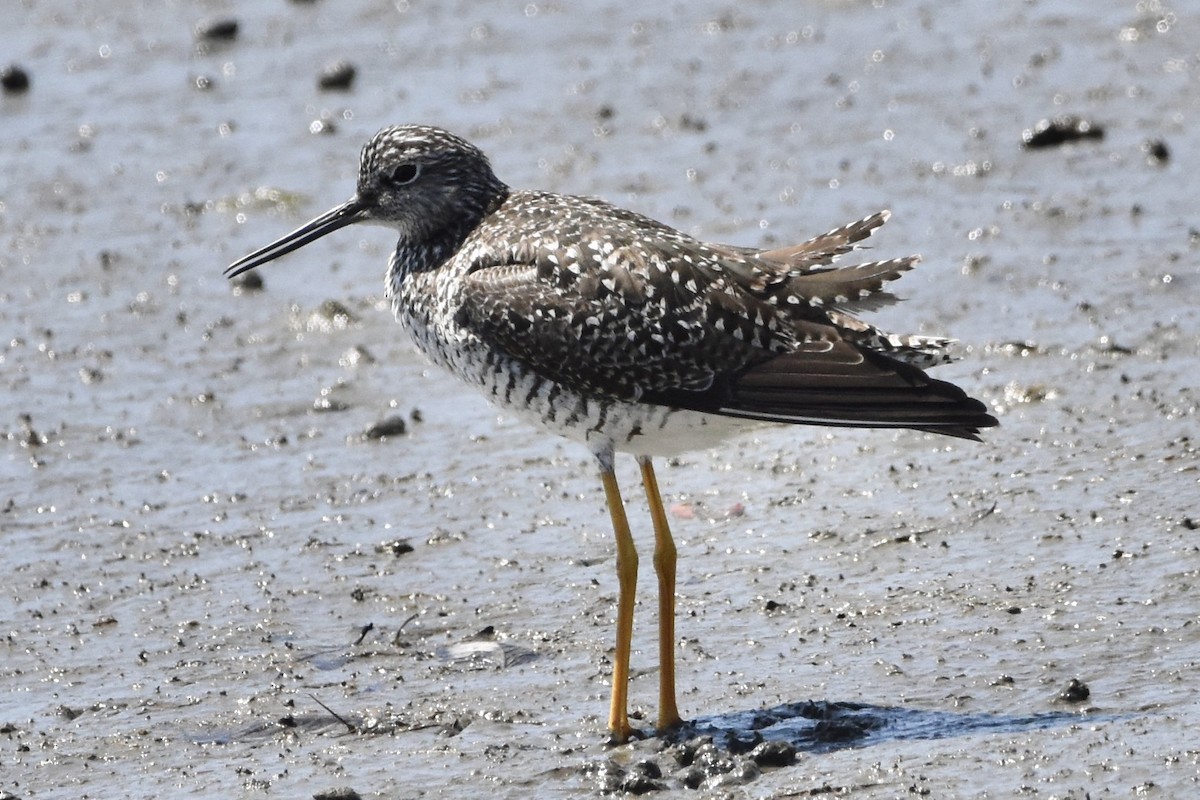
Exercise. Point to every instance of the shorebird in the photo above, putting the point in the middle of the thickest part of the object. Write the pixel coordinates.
(608, 327)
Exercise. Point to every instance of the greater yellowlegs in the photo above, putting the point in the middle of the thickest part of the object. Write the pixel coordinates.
(605, 326)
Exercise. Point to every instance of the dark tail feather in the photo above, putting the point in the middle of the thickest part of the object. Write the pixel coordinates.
(875, 392)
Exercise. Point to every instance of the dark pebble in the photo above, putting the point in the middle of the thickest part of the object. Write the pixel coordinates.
(640, 784)
(396, 547)
(341, 793)
(774, 754)
(643, 777)
(1156, 151)
(1076, 692)
(325, 405)
(1060, 130)
(217, 30)
(336, 76)
(14, 79)
(609, 777)
(247, 282)
(392, 426)
(684, 753)
(692, 777)
(713, 761)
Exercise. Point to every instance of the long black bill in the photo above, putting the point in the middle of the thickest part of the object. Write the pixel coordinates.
(348, 213)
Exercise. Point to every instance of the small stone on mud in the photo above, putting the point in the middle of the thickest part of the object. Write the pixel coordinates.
(392, 426)
(774, 754)
(609, 776)
(396, 547)
(325, 405)
(14, 79)
(1058, 131)
(642, 778)
(340, 793)
(684, 753)
(742, 773)
(692, 777)
(1076, 692)
(713, 761)
(1156, 151)
(247, 282)
(336, 76)
(217, 30)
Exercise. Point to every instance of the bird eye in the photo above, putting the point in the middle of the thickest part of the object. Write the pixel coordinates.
(404, 174)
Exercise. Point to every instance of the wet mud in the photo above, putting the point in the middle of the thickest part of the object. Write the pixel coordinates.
(254, 546)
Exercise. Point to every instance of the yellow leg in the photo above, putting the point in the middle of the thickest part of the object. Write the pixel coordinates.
(627, 564)
(664, 566)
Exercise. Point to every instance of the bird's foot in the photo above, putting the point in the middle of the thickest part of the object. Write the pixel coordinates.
(624, 735)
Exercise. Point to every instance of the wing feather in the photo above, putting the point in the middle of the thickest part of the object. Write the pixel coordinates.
(638, 311)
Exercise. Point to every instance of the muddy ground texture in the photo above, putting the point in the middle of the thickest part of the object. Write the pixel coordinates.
(224, 578)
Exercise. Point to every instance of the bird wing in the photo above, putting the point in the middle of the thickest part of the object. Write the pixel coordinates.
(620, 306)
(631, 322)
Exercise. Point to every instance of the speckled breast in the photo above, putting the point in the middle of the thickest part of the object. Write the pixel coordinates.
(598, 421)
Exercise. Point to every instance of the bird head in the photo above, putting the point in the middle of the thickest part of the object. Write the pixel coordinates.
(425, 183)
